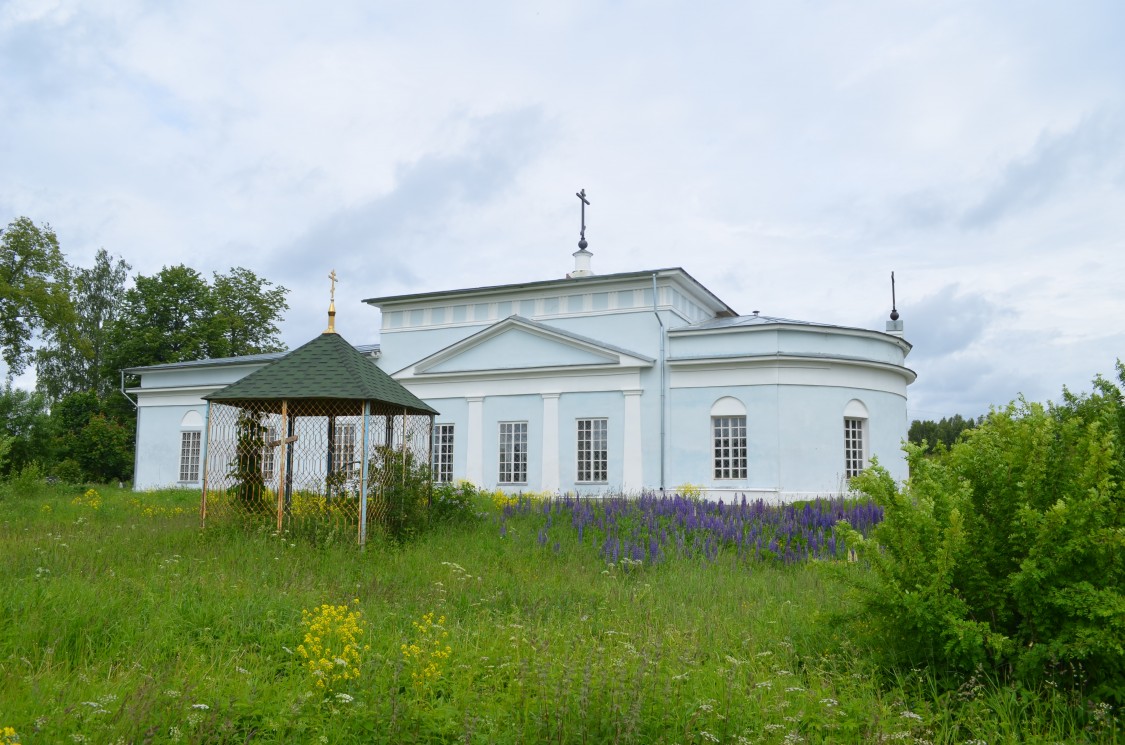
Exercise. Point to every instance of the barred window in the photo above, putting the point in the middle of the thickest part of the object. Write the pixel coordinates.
(854, 462)
(593, 453)
(189, 455)
(269, 454)
(729, 443)
(513, 453)
(443, 452)
(343, 450)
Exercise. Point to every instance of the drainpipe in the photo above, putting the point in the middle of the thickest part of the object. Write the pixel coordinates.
(123, 393)
(662, 384)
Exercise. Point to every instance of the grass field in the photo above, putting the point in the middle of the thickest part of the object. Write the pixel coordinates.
(120, 621)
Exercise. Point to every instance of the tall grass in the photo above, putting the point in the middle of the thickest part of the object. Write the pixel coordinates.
(124, 622)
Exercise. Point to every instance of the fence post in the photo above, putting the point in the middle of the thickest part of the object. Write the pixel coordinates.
(363, 477)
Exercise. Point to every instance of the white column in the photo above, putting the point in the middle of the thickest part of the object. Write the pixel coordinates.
(474, 452)
(550, 458)
(632, 467)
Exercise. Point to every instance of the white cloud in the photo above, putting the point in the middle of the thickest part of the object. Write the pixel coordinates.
(787, 155)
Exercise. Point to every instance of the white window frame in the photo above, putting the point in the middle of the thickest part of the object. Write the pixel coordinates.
(344, 449)
(855, 446)
(592, 451)
(191, 448)
(442, 452)
(512, 453)
(728, 448)
(269, 454)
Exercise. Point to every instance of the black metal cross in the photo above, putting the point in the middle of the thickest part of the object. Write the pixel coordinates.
(582, 234)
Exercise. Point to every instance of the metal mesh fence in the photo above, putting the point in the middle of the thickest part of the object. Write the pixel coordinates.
(306, 463)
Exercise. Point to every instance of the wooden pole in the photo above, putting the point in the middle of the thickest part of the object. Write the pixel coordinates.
(206, 439)
(281, 474)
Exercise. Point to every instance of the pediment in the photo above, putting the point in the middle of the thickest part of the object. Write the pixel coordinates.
(519, 344)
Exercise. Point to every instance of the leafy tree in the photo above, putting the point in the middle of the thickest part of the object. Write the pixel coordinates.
(88, 433)
(176, 315)
(247, 313)
(945, 432)
(33, 294)
(24, 421)
(1008, 551)
(75, 355)
(165, 318)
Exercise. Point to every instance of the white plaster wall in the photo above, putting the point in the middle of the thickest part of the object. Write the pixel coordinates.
(158, 446)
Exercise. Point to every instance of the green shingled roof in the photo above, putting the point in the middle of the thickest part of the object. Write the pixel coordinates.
(328, 367)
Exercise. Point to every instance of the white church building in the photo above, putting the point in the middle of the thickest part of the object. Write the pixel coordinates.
(600, 384)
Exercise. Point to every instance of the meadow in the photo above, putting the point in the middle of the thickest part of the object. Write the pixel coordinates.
(568, 622)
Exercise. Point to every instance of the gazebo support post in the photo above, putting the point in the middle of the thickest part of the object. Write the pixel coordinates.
(404, 447)
(281, 483)
(203, 464)
(286, 482)
(363, 475)
(330, 456)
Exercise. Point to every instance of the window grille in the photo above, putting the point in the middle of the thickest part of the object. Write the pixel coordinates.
(269, 454)
(729, 442)
(854, 462)
(593, 454)
(443, 453)
(343, 450)
(189, 456)
(513, 453)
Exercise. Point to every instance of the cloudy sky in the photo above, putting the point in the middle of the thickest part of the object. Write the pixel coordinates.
(789, 155)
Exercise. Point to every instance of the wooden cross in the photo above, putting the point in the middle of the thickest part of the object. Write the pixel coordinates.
(332, 276)
(283, 441)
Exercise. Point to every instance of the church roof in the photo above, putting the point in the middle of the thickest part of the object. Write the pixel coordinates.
(244, 359)
(328, 367)
(754, 320)
(718, 306)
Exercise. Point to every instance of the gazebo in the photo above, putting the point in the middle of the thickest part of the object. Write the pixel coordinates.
(320, 434)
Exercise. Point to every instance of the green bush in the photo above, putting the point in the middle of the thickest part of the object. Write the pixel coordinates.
(1007, 551)
(454, 502)
(68, 471)
(402, 486)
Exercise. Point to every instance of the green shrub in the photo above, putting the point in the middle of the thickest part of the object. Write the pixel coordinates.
(454, 502)
(1008, 550)
(68, 471)
(401, 485)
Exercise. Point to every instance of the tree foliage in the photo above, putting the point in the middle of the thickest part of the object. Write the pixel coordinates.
(945, 432)
(33, 289)
(1008, 551)
(24, 422)
(90, 437)
(176, 315)
(74, 356)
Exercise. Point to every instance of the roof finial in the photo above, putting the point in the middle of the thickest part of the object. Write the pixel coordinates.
(894, 310)
(582, 256)
(582, 233)
(332, 305)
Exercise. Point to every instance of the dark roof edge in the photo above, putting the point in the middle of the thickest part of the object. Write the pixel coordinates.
(775, 323)
(595, 279)
(248, 359)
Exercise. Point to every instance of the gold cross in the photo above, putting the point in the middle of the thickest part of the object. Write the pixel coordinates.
(332, 276)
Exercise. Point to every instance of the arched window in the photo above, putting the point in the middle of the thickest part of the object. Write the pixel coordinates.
(728, 438)
(855, 438)
(191, 435)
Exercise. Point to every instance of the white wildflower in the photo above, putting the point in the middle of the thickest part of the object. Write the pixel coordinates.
(200, 707)
(344, 698)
